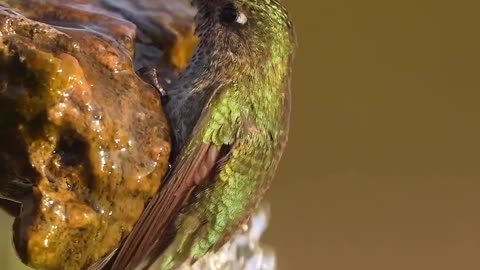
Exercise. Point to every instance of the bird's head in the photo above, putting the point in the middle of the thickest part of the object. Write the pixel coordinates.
(244, 31)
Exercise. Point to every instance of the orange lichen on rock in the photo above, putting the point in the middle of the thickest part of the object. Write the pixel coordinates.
(183, 49)
(93, 133)
(84, 142)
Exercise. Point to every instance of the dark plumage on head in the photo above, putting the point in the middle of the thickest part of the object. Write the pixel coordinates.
(240, 29)
(240, 41)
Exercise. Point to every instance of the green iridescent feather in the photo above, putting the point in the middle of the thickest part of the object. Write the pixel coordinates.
(236, 92)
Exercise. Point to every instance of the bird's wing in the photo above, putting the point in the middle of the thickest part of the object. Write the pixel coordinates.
(164, 206)
(161, 210)
(198, 161)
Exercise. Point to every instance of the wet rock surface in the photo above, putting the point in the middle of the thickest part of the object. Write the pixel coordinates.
(84, 142)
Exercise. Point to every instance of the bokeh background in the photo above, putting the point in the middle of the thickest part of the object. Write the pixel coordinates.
(382, 170)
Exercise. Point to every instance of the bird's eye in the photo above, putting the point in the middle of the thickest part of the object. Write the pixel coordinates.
(230, 14)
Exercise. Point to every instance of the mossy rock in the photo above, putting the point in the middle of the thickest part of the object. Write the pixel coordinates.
(84, 143)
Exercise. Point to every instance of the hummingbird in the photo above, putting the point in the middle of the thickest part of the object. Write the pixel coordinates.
(229, 112)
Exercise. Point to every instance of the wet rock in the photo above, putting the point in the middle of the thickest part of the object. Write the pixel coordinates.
(84, 142)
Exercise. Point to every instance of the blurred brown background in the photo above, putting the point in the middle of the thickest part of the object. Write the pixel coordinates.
(382, 171)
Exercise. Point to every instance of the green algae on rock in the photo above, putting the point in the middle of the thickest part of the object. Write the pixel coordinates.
(79, 131)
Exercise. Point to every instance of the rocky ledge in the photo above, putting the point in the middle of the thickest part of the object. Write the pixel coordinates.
(84, 142)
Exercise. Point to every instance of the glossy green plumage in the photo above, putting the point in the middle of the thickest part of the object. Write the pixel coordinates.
(230, 115)
(249, 114)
